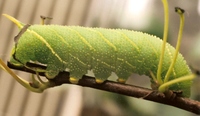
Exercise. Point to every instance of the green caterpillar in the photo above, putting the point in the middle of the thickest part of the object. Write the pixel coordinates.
(103, 51)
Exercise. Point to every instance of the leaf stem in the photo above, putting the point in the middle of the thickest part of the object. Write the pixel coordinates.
(182, 19)
(20, 80)
(163, 87)
(165, 34)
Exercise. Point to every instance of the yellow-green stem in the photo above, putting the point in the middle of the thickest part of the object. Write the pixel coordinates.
(165, 34)
(19, 24)
(163, 87)
(182, 18)
(18, 79)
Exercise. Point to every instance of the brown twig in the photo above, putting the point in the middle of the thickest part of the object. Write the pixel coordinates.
(124, 89)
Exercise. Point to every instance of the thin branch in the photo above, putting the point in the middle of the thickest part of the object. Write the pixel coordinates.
(124, 89)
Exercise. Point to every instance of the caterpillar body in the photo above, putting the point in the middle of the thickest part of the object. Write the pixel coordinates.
(101, 50)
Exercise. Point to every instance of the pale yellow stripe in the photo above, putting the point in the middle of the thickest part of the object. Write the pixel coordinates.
(152, 46)
(82, 38)
(78, 60)
(46, 43)
(61, 37)
(102, 37)
(128, 39)
(129, 64)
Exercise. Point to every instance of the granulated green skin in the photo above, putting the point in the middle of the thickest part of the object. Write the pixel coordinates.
(102, 50)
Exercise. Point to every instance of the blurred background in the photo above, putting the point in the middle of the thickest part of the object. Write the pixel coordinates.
(72, 100)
